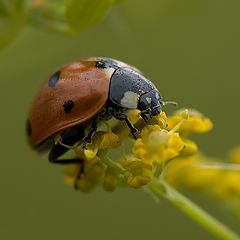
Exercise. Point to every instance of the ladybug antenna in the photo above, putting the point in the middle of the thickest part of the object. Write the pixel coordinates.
(169, 102)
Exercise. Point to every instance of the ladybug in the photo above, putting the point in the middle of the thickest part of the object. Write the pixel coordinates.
(77, 96)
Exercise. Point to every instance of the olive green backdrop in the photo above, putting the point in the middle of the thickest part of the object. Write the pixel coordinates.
(189, 49)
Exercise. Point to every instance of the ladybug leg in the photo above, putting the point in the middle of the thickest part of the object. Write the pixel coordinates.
(58, 150)
(124, 117)
(91, 133)
(81, 171)
(143, 115)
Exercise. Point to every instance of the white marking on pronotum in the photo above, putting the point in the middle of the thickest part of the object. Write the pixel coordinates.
(157, 96)
(109, 72)
(130, 100)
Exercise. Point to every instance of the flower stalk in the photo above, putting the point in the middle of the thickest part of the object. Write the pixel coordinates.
(210, 223)
(163, 159)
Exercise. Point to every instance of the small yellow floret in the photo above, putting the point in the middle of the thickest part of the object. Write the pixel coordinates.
(157, 145)
(89, 178)
(111, 180)
(109, 140)
(234, 155)
(228, 186)
(184, 114)
(189, 149)
(184, 172)
(194, 123)
(92, 176)
(71, 173)
(136, 172)
(170, 150)
(195, 178)
(139, 149)
(91, 151)
(162, 120)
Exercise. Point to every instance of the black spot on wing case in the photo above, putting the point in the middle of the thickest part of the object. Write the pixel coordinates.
(54, 79)
(126, 79)
(68, 105)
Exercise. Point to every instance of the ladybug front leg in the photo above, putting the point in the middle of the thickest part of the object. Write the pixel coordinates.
(91, 133)
(59, 149)
(122, 116)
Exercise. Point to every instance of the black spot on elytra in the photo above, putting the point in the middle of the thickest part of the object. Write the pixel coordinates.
(54, 79)
(106, 63)
(68, 105)
(29, 128)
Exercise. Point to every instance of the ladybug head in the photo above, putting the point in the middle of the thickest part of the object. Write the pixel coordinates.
(150, 102)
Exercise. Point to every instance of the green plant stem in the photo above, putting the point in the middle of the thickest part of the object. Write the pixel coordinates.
(163, 189)
(111, 164)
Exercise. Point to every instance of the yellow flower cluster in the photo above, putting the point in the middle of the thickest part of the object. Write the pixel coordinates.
(163, 157)
(94, 172)
(160, 140)
(198, 172)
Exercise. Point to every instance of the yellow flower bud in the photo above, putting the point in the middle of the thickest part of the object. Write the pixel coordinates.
(137, 173)
(162, 120)
(228, 186)
(157, 138)
(111, 180)
(171, 149)
(71, 173)
(139, 149)
(92, 176)
(189, 149)
(234, 155)
(91, 151)
(184, 172)
(109, 140)
(194, 123)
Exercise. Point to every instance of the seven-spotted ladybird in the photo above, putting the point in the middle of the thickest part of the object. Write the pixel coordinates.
(81, 94)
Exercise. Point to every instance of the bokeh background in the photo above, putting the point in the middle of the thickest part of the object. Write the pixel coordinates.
(189, 49)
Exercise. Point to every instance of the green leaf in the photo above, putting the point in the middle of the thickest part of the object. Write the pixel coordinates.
(49, 19)
(81, 14)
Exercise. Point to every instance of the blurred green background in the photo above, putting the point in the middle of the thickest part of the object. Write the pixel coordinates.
(189, 49)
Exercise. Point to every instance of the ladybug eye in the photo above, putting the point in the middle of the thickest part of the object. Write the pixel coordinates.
(158, 95)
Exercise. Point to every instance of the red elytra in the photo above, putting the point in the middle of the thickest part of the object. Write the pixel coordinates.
(81, 84)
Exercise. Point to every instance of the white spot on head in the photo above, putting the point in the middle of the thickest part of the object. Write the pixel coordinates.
(130, 100)
(148, 100)
(157, 96)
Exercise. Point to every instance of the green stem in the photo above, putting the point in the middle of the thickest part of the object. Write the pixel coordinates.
(192, 210)
(219, 166)
(111, 164)
(159, 169)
